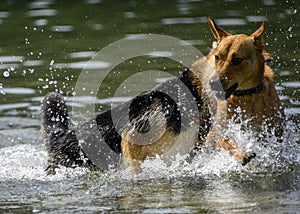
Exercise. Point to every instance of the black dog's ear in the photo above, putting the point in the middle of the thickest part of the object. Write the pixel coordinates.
(267, 56)
(218, 32)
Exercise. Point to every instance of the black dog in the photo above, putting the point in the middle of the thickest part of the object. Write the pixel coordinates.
(150, 124)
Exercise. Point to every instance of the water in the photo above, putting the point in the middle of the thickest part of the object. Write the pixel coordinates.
(45, 44)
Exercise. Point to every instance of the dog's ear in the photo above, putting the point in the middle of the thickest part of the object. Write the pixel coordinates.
(267, 56)
(257, 37)
(218, 32)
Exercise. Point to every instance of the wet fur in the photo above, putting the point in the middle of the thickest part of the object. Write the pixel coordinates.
(174, 130)
(239, 65)
(153, 111)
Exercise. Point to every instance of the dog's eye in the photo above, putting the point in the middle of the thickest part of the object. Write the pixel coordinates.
(236, 61)
(217, 58)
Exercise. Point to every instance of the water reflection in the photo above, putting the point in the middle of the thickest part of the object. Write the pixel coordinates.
(192, 20)
(43, 12)
(40, 22)
(17, 91)
(256, 18)
(4, 59)
(33, 63)
(84, 65)
(82, 54)
(4, 14)
(62, 28)
(225, 22)
(40, 4)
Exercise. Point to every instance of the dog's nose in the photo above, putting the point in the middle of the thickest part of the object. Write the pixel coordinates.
(216, 85)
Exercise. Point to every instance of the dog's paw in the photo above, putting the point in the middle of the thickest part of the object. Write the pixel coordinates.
(247, 158)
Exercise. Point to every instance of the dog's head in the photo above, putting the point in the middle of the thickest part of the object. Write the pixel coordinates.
(238, 60)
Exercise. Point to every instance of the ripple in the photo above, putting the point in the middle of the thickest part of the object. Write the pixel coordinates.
(135, 36)
(5, 107)
(40, 4)
(84, 65)
(291, 111)
(195, 42)
(33, 63)
(4, 59)
(93, 1)
(90, 99)
(62, 28)
(268, 2)
(162, 79)
(4, 14)
(9, 66)
(43, 12)
(226, 22)
(291, 84)
(256, 18)
(113, 100)
(129, 15)
(98, 26)
(82, 54)
(188, 20)
(160, 54)
(18, 91)
(40, 22)
(6, 123)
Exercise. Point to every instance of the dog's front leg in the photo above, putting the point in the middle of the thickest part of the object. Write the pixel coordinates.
(238, 152)
(215, 141)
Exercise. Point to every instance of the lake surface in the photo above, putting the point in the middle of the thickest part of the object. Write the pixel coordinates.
(47, 45)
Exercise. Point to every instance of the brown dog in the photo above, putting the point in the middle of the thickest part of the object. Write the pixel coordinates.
(241, 81)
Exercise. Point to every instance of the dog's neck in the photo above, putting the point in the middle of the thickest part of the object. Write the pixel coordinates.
(249, 91)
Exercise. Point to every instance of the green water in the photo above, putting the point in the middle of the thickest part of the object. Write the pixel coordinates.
(44, 47)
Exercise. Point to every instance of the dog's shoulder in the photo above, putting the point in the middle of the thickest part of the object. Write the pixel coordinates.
(269, 73)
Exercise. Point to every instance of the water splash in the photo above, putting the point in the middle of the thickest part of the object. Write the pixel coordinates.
(27, 161)
(272, 157)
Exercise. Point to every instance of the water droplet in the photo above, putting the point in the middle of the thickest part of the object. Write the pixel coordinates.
(6, 73)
